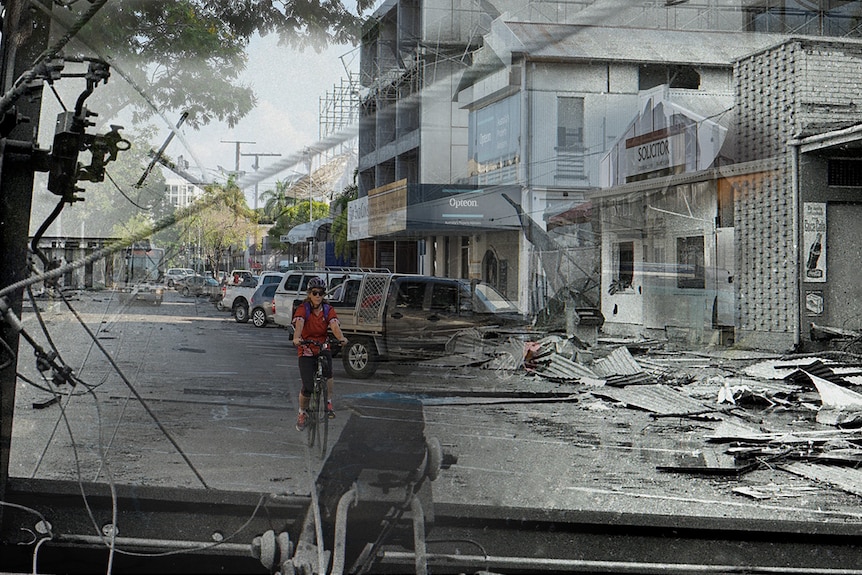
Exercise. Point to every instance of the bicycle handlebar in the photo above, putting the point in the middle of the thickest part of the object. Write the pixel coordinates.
(330, 340)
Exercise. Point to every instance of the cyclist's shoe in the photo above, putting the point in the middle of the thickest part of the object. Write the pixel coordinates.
(330, 411)
(301, 420)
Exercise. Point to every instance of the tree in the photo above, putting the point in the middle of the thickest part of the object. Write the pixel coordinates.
(343, 248)
(221, 221)
(293, 216)
(276, 200)
(189, 53)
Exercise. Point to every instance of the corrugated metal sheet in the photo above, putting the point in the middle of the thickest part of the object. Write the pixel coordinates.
(558, 368)
(845, 478)
(657, 398)
(618, 362)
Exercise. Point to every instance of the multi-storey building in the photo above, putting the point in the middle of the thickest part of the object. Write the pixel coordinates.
(477, 126)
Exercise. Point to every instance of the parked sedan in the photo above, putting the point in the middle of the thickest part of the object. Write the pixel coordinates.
(198, 285)
(174, 275)
(262, 305)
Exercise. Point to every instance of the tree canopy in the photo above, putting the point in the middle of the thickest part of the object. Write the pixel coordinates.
(188, 54)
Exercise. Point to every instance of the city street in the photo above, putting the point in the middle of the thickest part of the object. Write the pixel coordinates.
(226, 394)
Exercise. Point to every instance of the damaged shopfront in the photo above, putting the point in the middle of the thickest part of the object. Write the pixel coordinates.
(667, 224)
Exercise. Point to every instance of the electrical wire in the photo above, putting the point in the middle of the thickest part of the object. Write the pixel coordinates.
(25, 80)
(137, 395)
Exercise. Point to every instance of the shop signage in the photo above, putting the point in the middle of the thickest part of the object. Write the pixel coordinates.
(387, 209)
(814, 241)
(466, 208)
(656, 153)
(357, 219)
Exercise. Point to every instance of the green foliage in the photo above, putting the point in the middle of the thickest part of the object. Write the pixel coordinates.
(293, 216)
(343, 248)
(189, 54)
(220, 223)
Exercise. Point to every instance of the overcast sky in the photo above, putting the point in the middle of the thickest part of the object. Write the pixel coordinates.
(289, 85)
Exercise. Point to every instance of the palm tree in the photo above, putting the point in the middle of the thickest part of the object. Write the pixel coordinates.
(275, 200)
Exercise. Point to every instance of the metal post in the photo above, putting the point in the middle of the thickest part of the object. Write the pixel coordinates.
(24, 37)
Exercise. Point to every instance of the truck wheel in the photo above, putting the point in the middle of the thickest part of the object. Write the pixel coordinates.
(258, 317)
(360, 358)
(240, 312)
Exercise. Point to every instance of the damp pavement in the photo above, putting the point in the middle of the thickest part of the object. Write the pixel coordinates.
(190, 398)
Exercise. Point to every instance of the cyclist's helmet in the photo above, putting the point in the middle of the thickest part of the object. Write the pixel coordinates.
(316, 283)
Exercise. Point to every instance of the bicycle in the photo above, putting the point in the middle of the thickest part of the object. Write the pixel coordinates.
(317, 424)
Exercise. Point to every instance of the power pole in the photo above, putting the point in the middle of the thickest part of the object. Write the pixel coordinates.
(24, 38)
(255, 166)
(238, 144)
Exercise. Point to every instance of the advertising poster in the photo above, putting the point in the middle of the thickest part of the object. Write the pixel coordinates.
(814, 241)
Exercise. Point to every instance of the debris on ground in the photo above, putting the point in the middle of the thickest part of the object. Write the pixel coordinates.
(822, 394)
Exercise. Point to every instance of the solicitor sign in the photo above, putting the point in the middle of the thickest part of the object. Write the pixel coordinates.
(655, 154)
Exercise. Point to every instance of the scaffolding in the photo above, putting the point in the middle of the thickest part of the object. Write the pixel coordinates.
(339, 107)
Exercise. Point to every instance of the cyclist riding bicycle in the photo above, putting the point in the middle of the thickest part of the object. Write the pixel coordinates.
(311, 322)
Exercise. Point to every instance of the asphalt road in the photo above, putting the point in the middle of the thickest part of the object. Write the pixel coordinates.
(204, 401)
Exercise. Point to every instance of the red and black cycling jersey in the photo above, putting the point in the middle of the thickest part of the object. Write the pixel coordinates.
(316, 326)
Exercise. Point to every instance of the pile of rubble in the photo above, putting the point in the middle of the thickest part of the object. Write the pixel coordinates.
(824, 395)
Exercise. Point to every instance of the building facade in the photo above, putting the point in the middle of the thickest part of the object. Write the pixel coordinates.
(519, 115)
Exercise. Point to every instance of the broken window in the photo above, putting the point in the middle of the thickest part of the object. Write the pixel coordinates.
(690, 262)
(625, 268)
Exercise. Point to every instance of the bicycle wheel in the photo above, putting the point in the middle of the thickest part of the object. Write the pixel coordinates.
(322, 418)
(312, 420)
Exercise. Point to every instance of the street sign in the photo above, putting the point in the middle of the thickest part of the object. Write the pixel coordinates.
(282, 239)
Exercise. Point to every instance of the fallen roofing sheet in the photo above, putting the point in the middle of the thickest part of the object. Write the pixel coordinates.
(834, 396)
(845, 478)
(558, 368)
(657, 398)
(709, 462)
(618, 362)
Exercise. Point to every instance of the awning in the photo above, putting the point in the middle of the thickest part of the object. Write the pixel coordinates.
(316, 230)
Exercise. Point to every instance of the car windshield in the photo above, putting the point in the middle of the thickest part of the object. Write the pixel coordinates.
(658, 202)
(493, 300)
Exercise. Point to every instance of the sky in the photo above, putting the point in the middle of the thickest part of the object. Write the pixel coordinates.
(289, 85)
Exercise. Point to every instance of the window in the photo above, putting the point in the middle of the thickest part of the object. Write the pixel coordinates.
(444, 297)
(410, 295)
(690, 263)
(624, 258)
(652, 75)
(570, 122)
(292, 282)
(844, 172)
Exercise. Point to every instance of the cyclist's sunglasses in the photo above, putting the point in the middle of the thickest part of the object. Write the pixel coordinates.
(316, 292)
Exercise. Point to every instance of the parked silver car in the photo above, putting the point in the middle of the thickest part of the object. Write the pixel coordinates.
(262, 305)
(197, 285)
(175, 274)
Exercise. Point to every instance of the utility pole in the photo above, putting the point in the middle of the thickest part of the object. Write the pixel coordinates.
(238, 144)
(24, 38)
(255, 166)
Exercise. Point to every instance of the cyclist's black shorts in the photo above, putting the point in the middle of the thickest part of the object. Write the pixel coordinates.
(308, 367)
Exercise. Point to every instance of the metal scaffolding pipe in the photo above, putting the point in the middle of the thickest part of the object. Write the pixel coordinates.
(142, 543)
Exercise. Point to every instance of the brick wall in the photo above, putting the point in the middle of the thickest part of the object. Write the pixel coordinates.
(794, 89)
